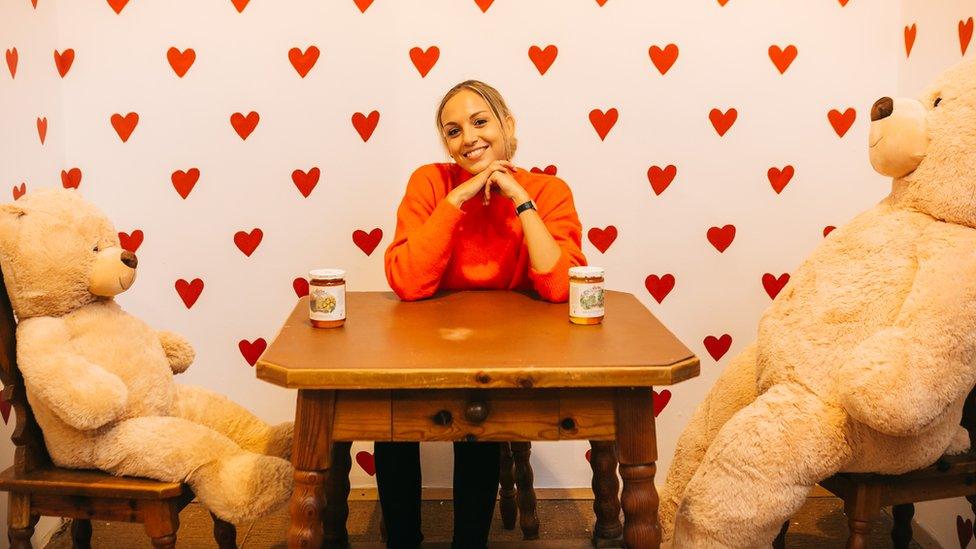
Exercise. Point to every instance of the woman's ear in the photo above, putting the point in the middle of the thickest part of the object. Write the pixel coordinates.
(510, 125)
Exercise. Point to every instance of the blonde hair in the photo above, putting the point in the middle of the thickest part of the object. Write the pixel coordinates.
(495, 102)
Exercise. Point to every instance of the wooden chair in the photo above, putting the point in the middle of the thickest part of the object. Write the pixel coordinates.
(864, 494)
(38, 488)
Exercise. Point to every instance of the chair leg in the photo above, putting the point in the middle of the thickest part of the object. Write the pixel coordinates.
(901, 530)
(225, 533)
(20, 521)
(81, 533)
(526, 493)
(336, 511)
(780, 541)
(862, 510)
(161, 521)
(606, 494)
(506, 494)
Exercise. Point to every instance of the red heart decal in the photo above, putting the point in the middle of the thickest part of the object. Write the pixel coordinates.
(117, 5)
(718, 346)
(589, 453)
(965, 34)
(12, 62)
(659, 286)
(64, 60)
(244, 125)
(661, 401)
(248, 242)
(183, 182)
(910, 33)
(723, 2)
(366, 461)
(34, 2)
(240, 5)
(602, 238)
(964, 529)
(362, 4)
(661, 178)
(365, 124)
(19, 190)
(721, 238)
(71, 179)
(543, 58)
(484, 4)
(843, 2)
(131, 242)
(303, 62)
(305, 181)
(42, 129)
(548, 170)
(782, 58)
(252, 350)
(424, 60)
(300, 285)
(722, 121)
(664, 58)
(828, 229)
(841, 121)
(778, 178)
(189, 291)
(125, 125)
(4, 408)
(773, 284)
(367, 242)
(600, 3)
(603, 121)
(181, 61)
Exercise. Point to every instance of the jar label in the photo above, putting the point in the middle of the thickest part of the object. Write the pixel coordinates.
(586, 300)
(327, 302)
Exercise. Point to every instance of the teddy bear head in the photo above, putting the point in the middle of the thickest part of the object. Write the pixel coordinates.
(58, 253)
(928, 145)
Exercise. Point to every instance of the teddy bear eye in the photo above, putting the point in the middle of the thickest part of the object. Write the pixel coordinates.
(937, 101)
(95, 248)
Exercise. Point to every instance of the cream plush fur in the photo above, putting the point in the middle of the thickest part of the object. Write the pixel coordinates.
(100, 381)
(863, 361)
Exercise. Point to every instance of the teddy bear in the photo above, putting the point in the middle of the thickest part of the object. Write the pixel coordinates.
(100, 381)
(863, 362)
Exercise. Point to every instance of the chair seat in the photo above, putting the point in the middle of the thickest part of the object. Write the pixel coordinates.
(56, 481)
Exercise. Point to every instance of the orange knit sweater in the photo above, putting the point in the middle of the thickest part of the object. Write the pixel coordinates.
(477, 247)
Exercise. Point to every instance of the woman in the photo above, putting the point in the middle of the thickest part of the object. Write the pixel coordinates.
(478, 223)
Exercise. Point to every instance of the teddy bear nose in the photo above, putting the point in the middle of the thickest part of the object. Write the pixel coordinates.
(129, 259)
(882, 109)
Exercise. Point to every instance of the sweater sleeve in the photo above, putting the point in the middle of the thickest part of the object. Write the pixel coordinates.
(559, 215)
(421, 247)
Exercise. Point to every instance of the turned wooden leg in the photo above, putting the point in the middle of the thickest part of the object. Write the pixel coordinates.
(20, 521)
(606, 502)
(901, 530)
(862, 510)
(224, 533)
(337, 497)
(780, 541)
(524, 490)
(506, 493)
(637, 454)
(81, 533)
(161, 521)
(311, 456)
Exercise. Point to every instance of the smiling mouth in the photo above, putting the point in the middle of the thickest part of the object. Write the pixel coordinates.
(475, 151)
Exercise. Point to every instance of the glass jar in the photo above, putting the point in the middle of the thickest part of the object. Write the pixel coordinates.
(586, 295)
(327, 297)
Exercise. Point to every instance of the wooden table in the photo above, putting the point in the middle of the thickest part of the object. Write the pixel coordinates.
(477, 365)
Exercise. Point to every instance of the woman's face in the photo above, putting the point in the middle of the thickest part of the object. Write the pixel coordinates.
(474, 137)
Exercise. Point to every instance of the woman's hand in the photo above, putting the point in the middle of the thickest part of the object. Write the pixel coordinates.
(508, 186)
(471, 187)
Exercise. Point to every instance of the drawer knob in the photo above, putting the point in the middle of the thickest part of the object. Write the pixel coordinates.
(443, 418)
(476, 412)
(568, 424)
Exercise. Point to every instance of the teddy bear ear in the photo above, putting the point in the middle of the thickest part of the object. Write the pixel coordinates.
(10, 215)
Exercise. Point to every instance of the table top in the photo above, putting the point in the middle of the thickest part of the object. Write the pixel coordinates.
(475, 339)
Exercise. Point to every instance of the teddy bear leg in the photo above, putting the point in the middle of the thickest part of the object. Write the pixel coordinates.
(759, 470)
(735, 389)
(232, 420)
(236, 485)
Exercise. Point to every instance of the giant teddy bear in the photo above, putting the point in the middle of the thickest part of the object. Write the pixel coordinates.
(864, 360)
(100, 381)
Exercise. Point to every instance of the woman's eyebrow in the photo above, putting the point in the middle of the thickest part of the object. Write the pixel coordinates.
(449, 123)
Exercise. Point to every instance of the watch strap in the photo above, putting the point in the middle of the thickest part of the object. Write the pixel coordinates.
(527, 205)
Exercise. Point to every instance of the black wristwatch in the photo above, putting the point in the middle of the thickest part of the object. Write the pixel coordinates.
(527, 205)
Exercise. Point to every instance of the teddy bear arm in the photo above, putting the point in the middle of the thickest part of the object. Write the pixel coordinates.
(178, 350)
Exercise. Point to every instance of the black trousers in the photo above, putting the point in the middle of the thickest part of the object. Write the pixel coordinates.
(475, 488)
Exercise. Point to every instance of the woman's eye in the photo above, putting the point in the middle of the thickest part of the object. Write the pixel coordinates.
(452, 133)
(937, 101)
(480, 122)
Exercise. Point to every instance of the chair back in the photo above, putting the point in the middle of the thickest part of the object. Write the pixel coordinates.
(30, 451)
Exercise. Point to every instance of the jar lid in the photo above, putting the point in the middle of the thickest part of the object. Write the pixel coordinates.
(586, 272)
(327, 274)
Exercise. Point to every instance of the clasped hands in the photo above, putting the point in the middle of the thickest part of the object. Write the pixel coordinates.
(497, 174)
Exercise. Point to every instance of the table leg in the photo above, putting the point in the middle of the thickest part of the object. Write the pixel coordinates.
(637, 453)
(311, 457)
(606, 500)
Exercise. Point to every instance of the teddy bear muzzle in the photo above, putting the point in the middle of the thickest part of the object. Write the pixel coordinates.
(899, 137)
(113, 272)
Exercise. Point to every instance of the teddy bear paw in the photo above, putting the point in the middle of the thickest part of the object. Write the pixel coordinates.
(243, 487)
